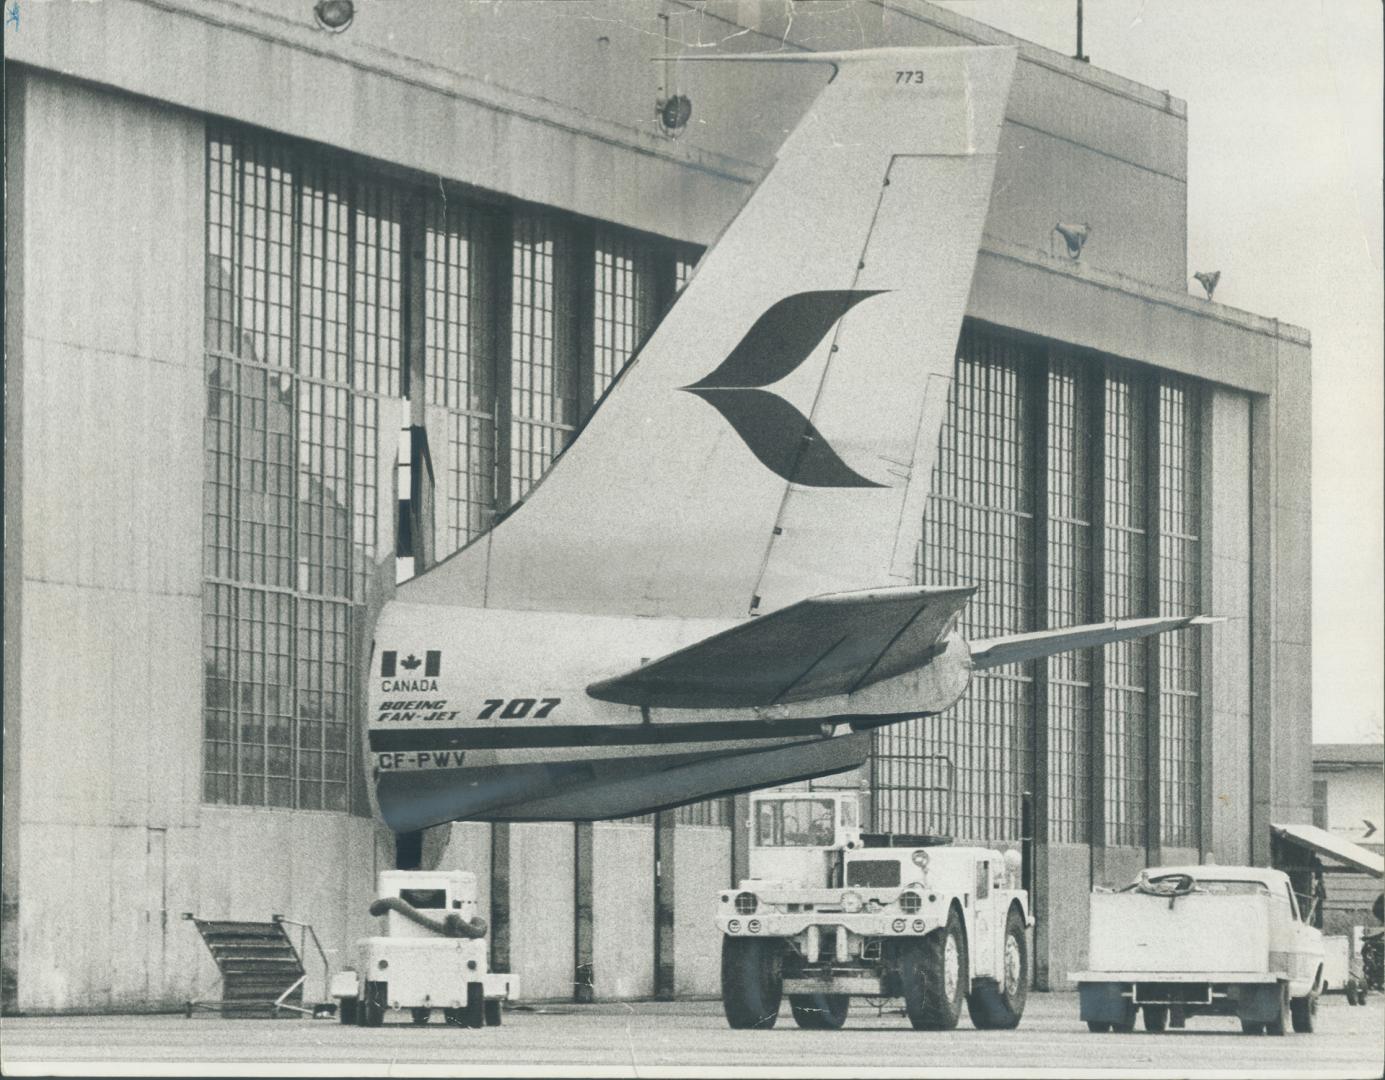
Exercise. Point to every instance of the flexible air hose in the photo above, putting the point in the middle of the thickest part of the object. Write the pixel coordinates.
(451, 925)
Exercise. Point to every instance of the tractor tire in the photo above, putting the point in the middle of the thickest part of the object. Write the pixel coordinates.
(372, 1010)
(420, 1016)
(933, 972)
(1253, 1027)
(752, 981)
(1099, 1027)
(1156, 1018)
(1304, 1012)
(819, 1012)
(1000, 1004)
(346, 1010)
(492, 1013)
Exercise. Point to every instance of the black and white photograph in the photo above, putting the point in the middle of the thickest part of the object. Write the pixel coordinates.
(671, 538)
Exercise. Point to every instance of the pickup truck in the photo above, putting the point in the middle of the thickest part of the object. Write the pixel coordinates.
(1187, 940)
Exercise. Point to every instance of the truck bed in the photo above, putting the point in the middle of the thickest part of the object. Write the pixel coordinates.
(1135, 935)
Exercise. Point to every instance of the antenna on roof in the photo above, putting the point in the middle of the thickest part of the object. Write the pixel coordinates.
(1078, 55)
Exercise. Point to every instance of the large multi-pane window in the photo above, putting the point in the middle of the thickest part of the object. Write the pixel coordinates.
(308, 291)
(1019, 414)
(1180, 672)
(623, 308)
(978, 528)
(1126, 591)
(1069, 600)
(543, 347)
(303, 338)
(459, 364)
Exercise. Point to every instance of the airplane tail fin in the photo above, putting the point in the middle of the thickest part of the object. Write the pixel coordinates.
(778, 428)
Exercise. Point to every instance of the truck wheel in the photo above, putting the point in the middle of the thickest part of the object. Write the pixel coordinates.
(1280, 1024)
(474, 1015)
(1304, 1010)
(752, 981)
(1253, 1027)
(1001, 1004)
(933, 972)
(373, 1008)
(819, 1012)
(1126, 1024)
(1156, 1017)
(492, 1012)
(346, 1010)
(1100, 1027)
(420, 1016)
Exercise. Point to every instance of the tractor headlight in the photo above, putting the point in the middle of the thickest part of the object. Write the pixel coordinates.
(746, 903)
(851, 902)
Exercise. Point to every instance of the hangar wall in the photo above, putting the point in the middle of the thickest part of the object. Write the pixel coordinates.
(108, 108)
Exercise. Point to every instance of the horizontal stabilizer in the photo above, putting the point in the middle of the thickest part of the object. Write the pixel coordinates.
(995, 652)
(820, 647)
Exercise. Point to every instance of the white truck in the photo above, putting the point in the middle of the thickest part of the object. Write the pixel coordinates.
(1187, 940)
(433, 955)
(830, 913)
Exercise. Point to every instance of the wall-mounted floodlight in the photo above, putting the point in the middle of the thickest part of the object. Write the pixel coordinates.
(334, 15)
(1208, 280)
(1074, 236)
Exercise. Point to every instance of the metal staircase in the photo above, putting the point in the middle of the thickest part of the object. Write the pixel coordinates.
(262, 973)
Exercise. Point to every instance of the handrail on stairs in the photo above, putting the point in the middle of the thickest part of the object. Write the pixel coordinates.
(305, 929)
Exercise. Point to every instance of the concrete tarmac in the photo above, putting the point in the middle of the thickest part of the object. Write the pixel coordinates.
(683, 1038)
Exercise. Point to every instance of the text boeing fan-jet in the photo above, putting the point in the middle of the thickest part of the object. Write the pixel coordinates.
(711, 590)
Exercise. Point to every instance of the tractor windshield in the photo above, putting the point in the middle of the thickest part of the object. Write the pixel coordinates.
(794, 823)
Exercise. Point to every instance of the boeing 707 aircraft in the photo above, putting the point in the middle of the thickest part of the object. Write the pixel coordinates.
(712, 589)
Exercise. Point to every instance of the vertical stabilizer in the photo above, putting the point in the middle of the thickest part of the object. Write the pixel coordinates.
(779, 426)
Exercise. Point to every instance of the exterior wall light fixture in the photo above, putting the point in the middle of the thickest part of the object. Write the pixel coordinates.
(334, 15)
(1074, 236)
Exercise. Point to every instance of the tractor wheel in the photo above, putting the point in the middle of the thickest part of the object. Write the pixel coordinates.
(819, 1012)
(1304, 1011)
(1001, 1004)
(375, 1004)
(933, 971)
(752, 981)
(492, 1013)
(1100, 1027)
(1253, 1027)
(1156, 1017)
(346, 1011)
(1281, 1023)
(420, 1016)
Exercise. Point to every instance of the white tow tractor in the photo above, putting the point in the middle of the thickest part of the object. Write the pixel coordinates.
(830, 913)
(1185, 940)
(432, 955)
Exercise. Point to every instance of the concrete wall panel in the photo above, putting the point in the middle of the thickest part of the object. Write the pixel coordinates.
(541, 909)
(622, 910)
(703, 856)
(1066, 872)
(1227, 477)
